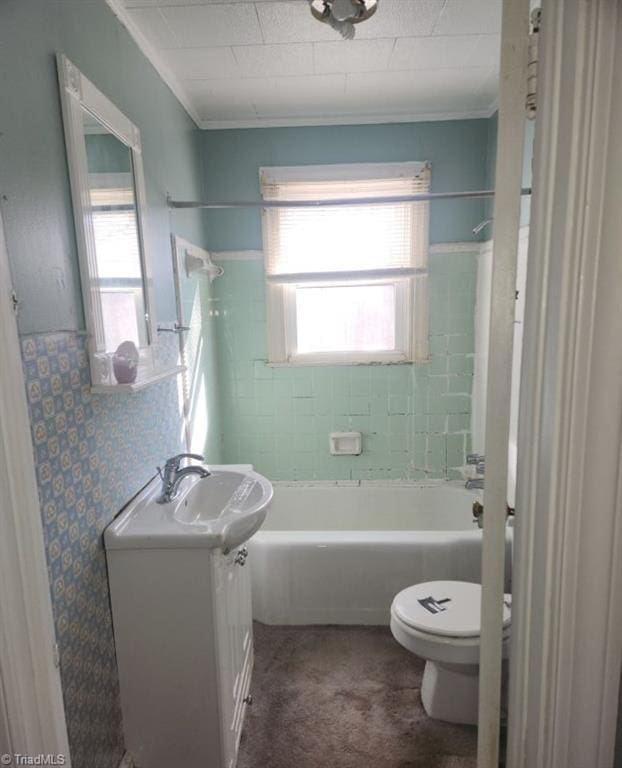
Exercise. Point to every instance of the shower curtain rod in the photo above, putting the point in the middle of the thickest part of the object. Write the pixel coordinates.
(431, 196)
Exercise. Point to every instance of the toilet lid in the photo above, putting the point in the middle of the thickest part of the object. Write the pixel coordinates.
(449, 608)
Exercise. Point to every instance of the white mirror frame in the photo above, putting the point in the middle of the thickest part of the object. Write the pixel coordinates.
(77, 92)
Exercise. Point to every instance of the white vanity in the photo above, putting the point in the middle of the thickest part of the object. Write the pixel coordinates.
(181, 607)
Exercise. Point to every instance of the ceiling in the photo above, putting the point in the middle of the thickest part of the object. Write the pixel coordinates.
(243, 63)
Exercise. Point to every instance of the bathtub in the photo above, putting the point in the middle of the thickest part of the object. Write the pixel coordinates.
(337, 553)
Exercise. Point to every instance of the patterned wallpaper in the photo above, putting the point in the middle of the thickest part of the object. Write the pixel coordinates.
(92, 454)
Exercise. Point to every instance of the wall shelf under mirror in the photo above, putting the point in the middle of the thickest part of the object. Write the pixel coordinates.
(139, 384)
(104, 155)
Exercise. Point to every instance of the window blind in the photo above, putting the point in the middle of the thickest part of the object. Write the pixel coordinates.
(372, 239)
(115, 229)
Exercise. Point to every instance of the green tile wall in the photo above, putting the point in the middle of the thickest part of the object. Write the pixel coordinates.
(415, 419)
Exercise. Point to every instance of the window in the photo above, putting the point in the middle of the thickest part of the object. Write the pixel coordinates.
(346, 283)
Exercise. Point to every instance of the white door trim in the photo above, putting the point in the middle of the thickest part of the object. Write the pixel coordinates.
(567, 611)
(28, 655)
(507, 205)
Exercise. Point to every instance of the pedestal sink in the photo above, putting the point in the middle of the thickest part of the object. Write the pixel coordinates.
(220, 511)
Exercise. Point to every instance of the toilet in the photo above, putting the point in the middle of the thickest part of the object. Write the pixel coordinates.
(439, 621)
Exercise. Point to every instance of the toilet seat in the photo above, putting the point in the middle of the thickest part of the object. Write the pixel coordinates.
(444, 609)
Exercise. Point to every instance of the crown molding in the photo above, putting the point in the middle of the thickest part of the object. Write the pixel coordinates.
(158, 63)
(300, 122)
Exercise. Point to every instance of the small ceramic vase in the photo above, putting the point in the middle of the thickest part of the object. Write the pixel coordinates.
(125, 363)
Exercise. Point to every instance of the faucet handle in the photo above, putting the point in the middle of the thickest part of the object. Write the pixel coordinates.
(175, 461)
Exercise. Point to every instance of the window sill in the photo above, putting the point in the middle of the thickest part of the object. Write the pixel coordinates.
(326, 363)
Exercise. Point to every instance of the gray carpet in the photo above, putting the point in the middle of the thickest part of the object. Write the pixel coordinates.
(343, 697)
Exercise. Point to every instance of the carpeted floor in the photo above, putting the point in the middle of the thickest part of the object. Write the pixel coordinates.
(343, 697)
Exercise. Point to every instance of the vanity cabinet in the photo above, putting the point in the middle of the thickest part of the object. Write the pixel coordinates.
(183, 632)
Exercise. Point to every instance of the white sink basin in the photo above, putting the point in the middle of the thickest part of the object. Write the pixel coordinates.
(220, 511)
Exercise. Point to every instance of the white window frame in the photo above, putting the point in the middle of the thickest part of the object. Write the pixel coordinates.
(411, 287)
(403, 323)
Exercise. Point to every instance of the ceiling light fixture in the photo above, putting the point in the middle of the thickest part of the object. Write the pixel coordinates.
(342, 15)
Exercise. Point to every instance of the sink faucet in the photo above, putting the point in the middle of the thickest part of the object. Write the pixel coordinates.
(173, 475)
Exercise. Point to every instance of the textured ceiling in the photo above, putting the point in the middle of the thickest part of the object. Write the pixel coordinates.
(268, 62)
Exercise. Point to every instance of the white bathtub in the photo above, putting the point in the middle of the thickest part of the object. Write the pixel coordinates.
(337, 553)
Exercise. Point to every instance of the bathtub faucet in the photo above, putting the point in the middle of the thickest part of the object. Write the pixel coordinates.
(173, 475)
(479, 462)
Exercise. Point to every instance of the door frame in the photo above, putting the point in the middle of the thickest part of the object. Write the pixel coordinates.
(567, 606)
(506, 236)
(29, 663)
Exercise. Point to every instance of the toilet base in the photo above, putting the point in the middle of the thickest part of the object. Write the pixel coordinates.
(450, 692)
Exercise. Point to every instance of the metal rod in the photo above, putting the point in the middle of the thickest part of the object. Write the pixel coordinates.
(431, 196)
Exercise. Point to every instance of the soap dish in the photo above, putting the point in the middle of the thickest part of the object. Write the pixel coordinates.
(345, 443)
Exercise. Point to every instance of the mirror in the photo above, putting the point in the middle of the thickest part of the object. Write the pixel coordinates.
(104, 155)
(116, 233)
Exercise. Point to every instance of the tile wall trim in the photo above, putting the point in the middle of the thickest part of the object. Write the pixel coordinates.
(444, 248)
(237, 256)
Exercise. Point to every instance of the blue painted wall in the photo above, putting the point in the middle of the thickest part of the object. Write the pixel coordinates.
(33, 171)
(457, 151)
(92, 453)
(106, 154)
